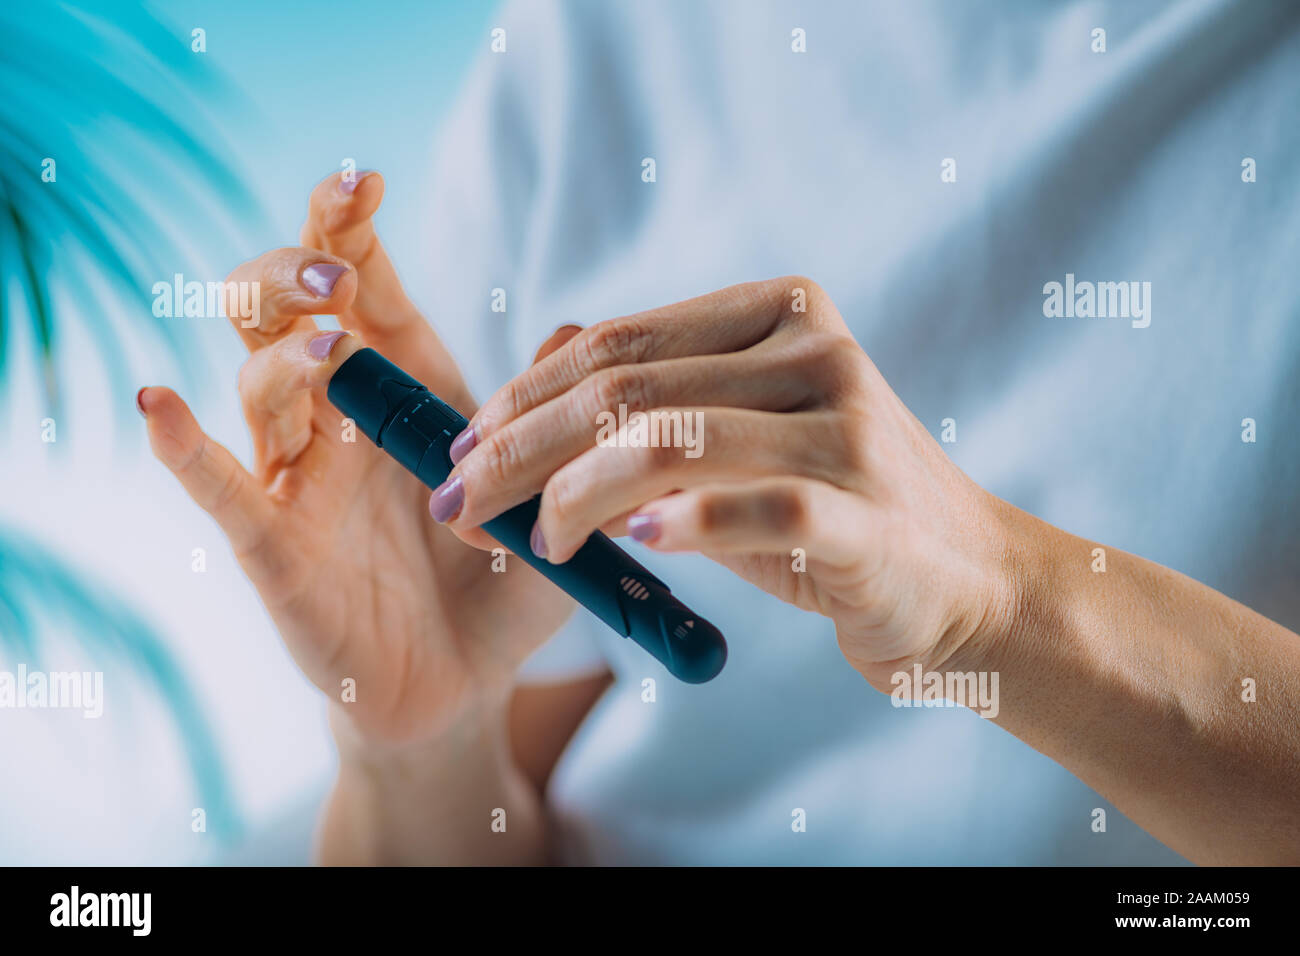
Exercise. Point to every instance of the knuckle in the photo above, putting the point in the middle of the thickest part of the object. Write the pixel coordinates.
(809, 286)
(622, 385)
(852, 440)
(801, 296)
(193, 456)
(615, 342)
(228, 491)
(845, 358)
(281, 266)
(332, 218)
(264, 267)
(509, 401)
(500, 456)
(839, 364)
(563, 495)
(808, 306)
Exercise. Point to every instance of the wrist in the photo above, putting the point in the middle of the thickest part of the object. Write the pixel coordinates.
(983, 613)
(473, 723)
(434, 800)
(1031, 595)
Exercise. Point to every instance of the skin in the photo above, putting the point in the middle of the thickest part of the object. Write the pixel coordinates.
(1131, 679)
(360, 582)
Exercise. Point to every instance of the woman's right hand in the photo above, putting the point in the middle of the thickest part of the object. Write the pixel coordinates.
(334, 534)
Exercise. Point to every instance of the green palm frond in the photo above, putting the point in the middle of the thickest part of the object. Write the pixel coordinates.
(123, 107)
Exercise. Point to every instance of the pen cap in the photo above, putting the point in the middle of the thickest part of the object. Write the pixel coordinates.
(368, 389)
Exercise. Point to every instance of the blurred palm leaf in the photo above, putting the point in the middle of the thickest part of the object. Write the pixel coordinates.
(37, 589)
(108, 101)
(121, 104)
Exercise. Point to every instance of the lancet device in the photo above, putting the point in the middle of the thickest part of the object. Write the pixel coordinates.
(415, 427)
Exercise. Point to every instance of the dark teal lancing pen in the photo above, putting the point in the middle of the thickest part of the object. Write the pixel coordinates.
(416, 428)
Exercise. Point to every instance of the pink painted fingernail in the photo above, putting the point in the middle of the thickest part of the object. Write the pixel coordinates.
(319, 279)
(139, 405)
(644, 528)
(537, 542)
(348, 186)
(320, 346)
(446, 501)
(460, 447)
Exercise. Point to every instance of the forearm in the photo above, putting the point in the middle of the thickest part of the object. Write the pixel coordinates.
(456, 800)
(1132, 678)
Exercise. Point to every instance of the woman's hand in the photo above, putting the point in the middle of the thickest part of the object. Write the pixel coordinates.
(808, 477)
(1132, 679)
(333, 533)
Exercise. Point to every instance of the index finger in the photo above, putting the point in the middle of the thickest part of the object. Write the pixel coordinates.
(729, 320)
(340, 220)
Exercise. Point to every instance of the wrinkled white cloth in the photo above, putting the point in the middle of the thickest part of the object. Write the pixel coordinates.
(1122, 166)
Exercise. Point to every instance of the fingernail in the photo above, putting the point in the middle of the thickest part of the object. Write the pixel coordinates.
(460, 447)
(319, 279)
(563, 327)
(320, 346)
(349, 186)
(537, 542)
(446, 500)
(643, 527)
(139, 405)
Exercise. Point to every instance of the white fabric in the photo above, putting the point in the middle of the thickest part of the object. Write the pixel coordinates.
(1114, 166)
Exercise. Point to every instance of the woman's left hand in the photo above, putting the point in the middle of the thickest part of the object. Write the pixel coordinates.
(795, 465)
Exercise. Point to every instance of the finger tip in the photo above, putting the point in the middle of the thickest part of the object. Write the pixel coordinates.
(348, 345)
(159, 404)
(326, 288)
(362, 180)
(462, 444)
(170, 424)
(330, 347)
(646, 527)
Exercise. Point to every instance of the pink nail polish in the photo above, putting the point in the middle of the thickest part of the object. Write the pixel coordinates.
(320, 346)
(349, 186)
(462, 444)
(320, 279)
(644, 528)
(446, 501)
(537, 542)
